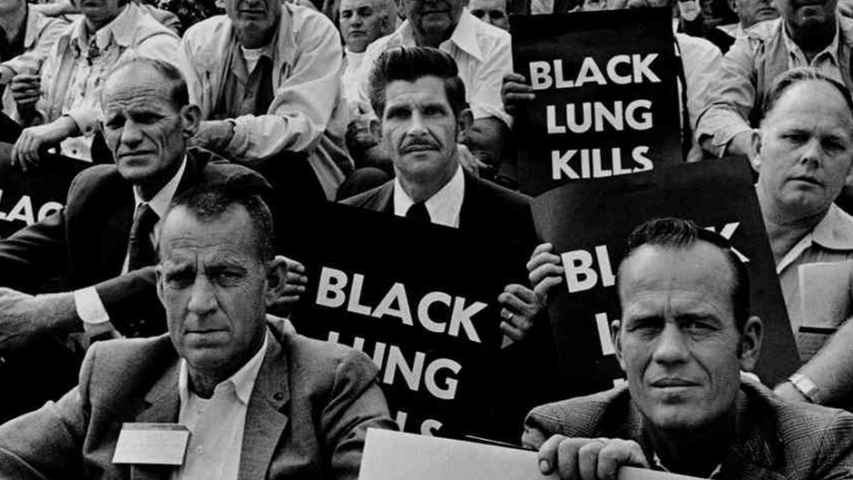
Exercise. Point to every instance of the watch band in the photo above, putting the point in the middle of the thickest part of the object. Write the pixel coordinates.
(806, 386)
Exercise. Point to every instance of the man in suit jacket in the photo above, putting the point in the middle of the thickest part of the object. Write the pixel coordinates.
(420, 100)
(684, 337)
(87, 242)
(259, 400)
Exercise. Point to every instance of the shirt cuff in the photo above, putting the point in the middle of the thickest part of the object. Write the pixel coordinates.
(91, 310)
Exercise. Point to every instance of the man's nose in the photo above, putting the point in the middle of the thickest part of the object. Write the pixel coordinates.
(812, 153)
(671, 346)
(131, 134)
(417, 125)
(202, 296)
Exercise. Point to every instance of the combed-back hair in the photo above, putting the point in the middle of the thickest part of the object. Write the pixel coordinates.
(410, 64)
(174, 80)
(211, 201)
(680, 234)
(792, 77)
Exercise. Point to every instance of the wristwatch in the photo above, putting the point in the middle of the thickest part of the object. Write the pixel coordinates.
(806, 386)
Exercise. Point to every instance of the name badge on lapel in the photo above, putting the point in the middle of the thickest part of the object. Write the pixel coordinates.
(152, 444)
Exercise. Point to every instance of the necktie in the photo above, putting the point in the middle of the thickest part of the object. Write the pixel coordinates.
(418, 212)
(140, 250)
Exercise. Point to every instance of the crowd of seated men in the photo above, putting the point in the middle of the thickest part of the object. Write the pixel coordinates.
(218, 129)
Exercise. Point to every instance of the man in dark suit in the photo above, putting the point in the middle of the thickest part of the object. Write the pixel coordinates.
(101, 242)
(684, 337)
(259, 400)
(420, 101)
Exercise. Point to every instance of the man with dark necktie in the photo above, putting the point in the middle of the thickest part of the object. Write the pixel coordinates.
(420, 101)
(101, 242)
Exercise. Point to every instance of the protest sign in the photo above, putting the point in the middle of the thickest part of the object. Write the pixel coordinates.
(606, 95)
(27, 197)
(392, 455)
(589, 223)
(419, 299)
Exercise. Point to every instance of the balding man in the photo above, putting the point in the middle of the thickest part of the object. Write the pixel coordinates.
(804, 154)
(101, 242)
(62, 104)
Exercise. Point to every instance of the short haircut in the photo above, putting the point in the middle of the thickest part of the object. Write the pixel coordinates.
(174, 80)
(679, 234)
(211, 201)
(798, 75)
(410, 64)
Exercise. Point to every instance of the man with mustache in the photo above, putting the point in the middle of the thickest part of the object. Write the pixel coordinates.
(810, 33)
(684, 336)
(421, 102)
(61, 104)
(482, 53)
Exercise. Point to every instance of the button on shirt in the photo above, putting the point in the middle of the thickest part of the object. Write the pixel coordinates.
(89, 306)
(216, 424)
(443, 207)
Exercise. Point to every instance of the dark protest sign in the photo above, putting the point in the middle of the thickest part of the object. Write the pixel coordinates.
(27, 197)
(589, 223)
(606, 95)
(419, 299)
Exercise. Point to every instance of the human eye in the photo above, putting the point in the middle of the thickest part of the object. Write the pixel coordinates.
(496, 14)
(795, 137)
(365, 12)
(835, 145)
(698, 325)
(146, 117)
(114, 121)
(178, 279)
(346, 14)
(644, 326)
(397, 113)
(478, 13)
(434, 110)
(226, 276)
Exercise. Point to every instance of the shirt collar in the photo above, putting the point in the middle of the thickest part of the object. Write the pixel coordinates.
(243, 380)
(119, 30)
(833, 232)
(160, 202)
(443, 207)
(831, 49)
(464, 35)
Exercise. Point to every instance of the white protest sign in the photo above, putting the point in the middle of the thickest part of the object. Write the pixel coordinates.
(390, 455)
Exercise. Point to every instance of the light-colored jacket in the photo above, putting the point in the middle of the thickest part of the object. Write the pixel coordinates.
(308, 112)
(39, 37)
(746, 75)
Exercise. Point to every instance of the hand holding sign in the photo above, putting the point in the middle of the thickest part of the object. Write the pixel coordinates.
(515, 91)
(589, 458)
(545, 271)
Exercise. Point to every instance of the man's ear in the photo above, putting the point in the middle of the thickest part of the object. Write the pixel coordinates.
(374, 125)
(463, 125)
(750, 343)
(756, 147)
(159, 271)
(190, 120)
(615, 327)
(276, 279)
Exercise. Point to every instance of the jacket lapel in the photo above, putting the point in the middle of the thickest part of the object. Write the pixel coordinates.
(265, 421)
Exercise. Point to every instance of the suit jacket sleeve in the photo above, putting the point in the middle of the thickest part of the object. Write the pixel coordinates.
(356, 403)
(48, 443)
